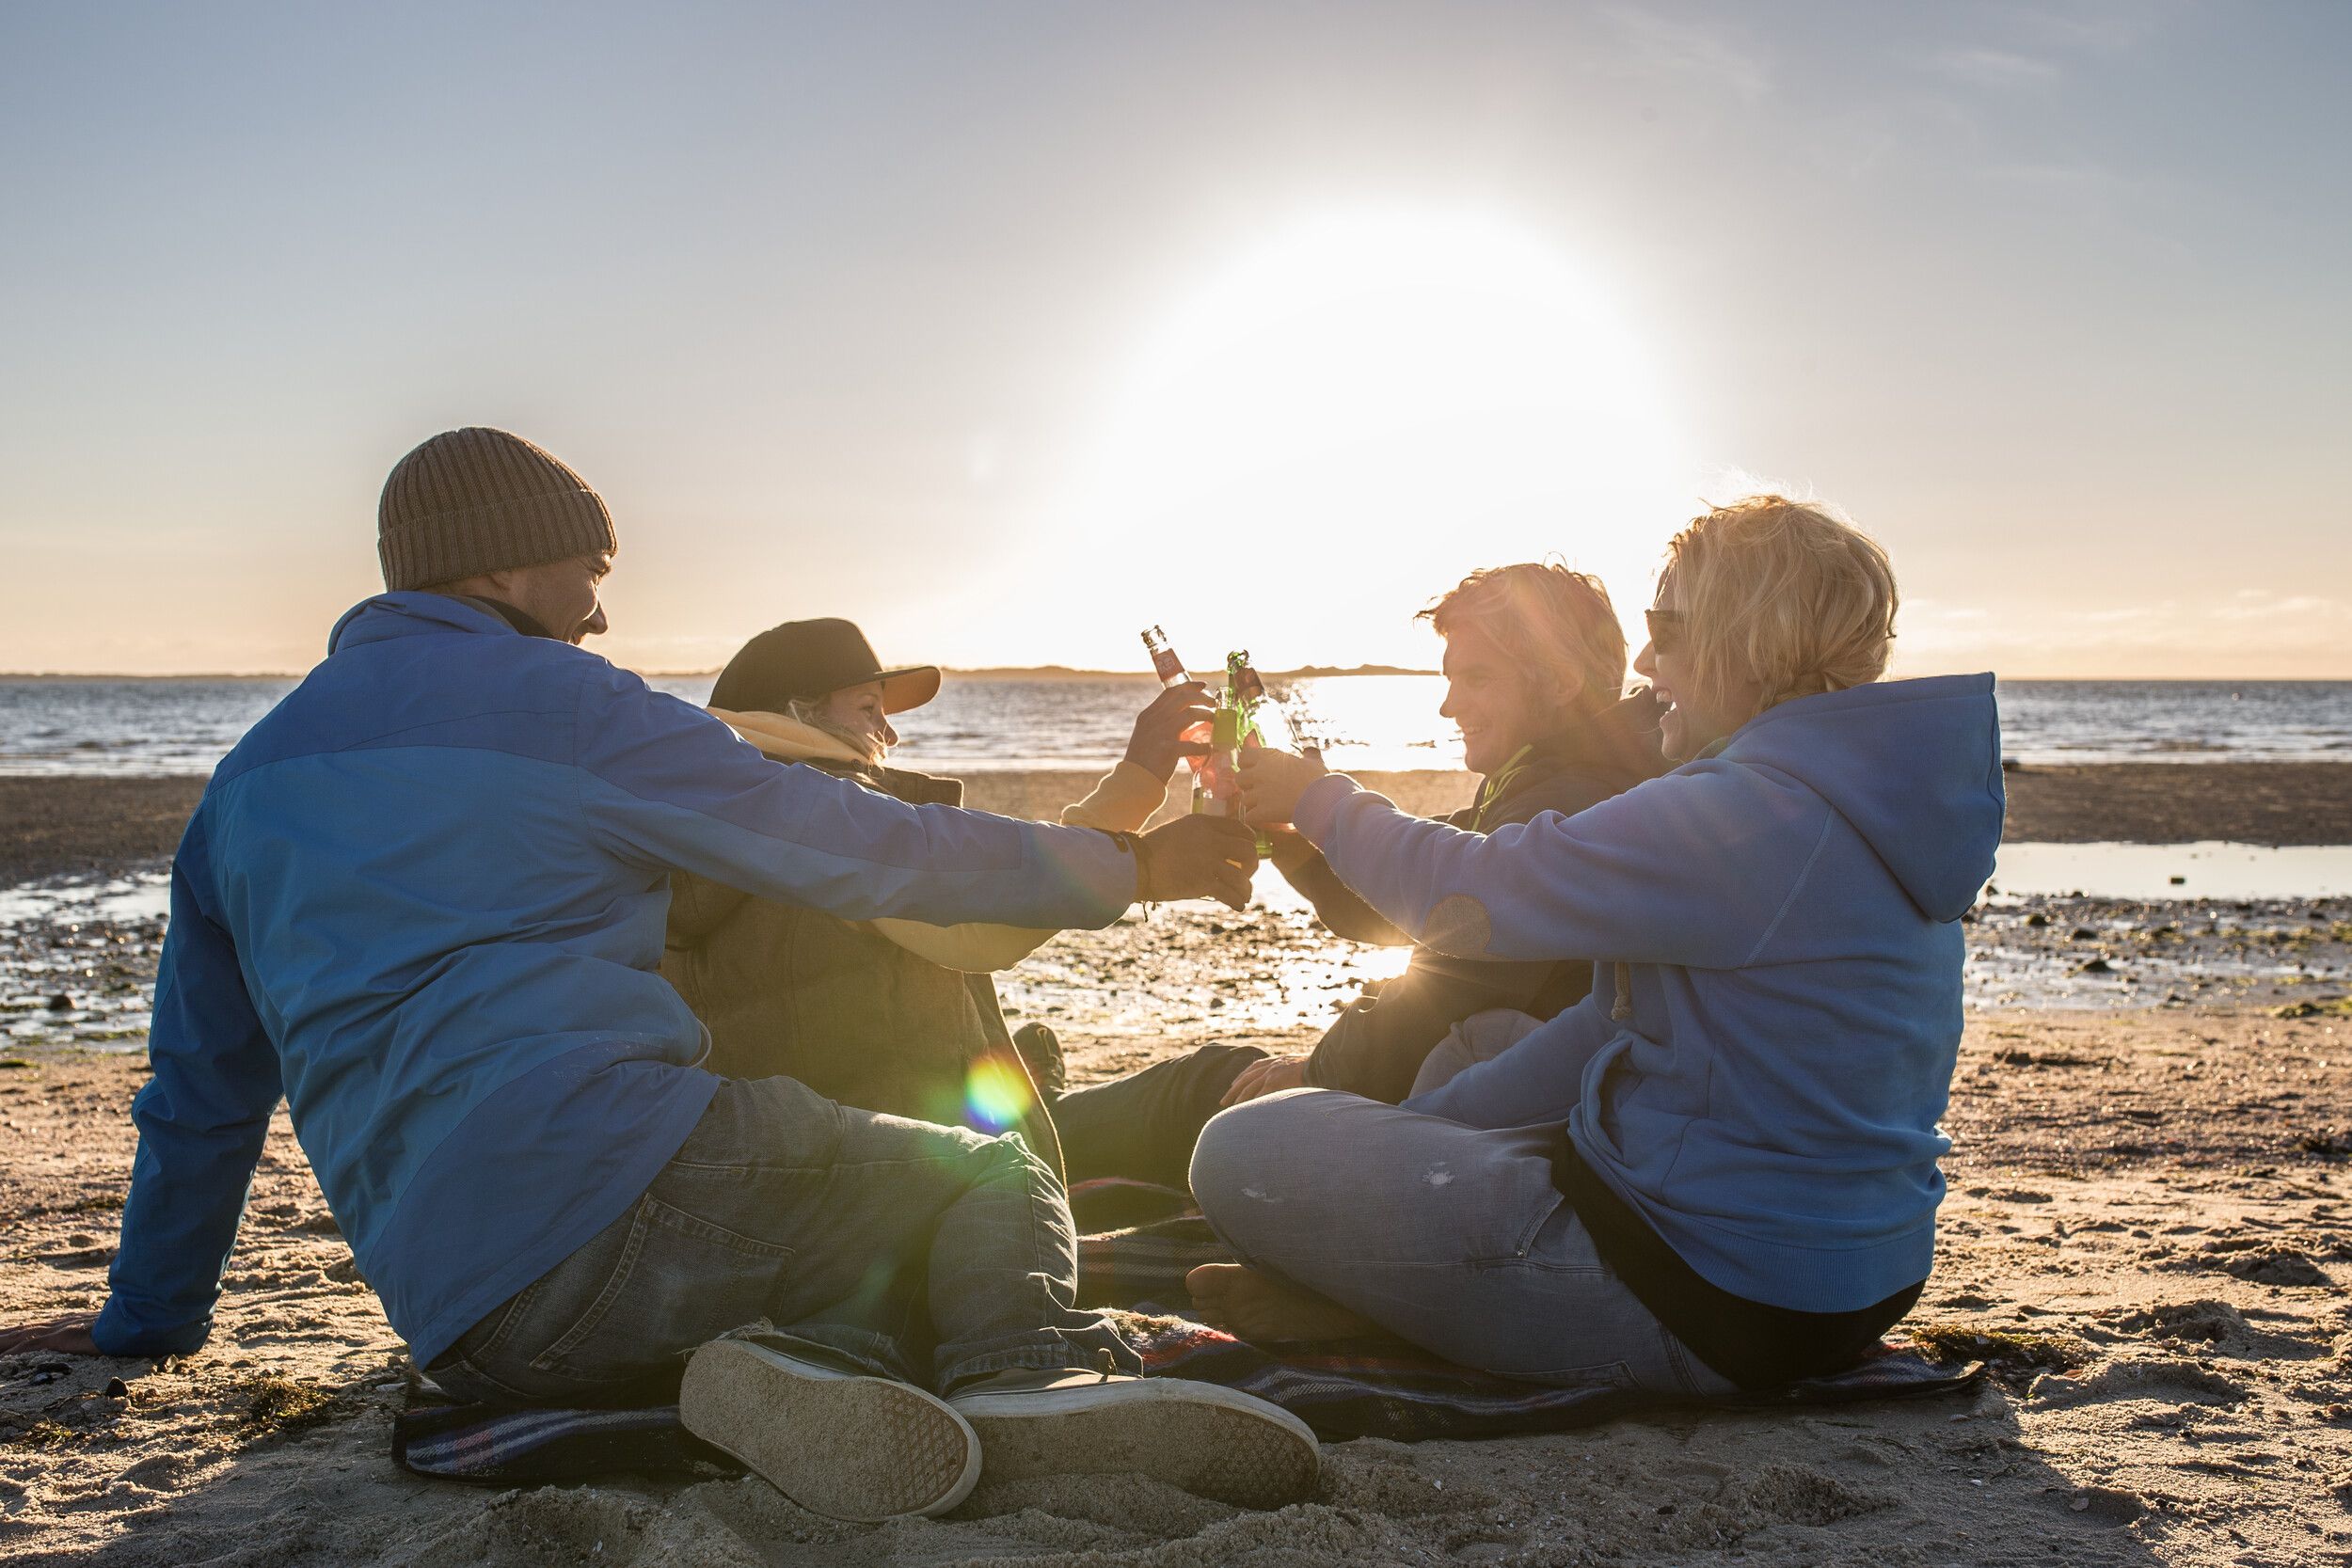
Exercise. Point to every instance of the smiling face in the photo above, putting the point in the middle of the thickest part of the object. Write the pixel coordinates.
(859, 709)
(1696, 717)
(561, 596)
(1490, 697)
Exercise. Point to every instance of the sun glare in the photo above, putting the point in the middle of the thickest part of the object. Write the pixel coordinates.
(1372, 405)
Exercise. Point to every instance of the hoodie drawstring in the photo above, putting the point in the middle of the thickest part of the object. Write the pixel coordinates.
(1623, 1008)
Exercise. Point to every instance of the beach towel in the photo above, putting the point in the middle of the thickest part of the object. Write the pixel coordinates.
(1342, 1388)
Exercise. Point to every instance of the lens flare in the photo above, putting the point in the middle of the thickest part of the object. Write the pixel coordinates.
(996, 1094)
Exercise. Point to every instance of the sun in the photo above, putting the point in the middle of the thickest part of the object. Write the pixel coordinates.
(1367, 405)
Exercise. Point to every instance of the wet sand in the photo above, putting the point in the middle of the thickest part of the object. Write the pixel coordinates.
(50, 826)
(2154, 803)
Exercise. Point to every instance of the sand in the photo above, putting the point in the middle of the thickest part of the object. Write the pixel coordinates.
(2148, 1227)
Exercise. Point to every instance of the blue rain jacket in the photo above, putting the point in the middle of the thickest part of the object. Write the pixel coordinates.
(424, 901)
(1788, 911)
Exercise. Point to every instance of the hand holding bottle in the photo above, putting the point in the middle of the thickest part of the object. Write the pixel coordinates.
(1171, 727)
(1199, 856)
(1272, 781)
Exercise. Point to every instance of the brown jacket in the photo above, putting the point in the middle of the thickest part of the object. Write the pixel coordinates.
(786, 990)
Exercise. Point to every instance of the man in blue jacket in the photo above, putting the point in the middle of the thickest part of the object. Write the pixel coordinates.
(422, 900)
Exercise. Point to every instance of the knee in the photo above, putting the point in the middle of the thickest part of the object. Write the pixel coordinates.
(1238, 1148)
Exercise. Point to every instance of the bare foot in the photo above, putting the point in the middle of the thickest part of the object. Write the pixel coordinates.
(1253, 1305)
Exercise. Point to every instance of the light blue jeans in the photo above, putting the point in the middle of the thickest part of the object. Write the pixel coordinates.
(1448, 1235)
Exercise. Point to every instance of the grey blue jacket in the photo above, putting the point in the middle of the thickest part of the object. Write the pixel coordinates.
(424, 901)
(1765, 1097)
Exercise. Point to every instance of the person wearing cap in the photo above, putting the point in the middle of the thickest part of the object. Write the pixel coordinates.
(422, 901)
(899, 1015)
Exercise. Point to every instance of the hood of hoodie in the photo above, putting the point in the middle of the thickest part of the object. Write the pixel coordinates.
(409, 614)
(1890, 757)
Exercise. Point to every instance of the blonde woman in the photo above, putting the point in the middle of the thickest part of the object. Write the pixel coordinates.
(1719, 1170)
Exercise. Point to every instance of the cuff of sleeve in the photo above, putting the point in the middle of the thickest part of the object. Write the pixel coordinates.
(1122, 800)
(1312, 816)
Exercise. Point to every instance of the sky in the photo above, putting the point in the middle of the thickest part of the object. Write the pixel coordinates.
(1010, 329)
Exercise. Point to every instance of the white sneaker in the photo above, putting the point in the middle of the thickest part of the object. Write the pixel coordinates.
(1209, 1440)
(838, 1443)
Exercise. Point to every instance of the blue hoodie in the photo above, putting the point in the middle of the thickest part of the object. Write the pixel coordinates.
(1789, 913)
(425, 898)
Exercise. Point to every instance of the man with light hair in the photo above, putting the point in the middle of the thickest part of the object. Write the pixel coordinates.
(422, 902)
(1534, 670)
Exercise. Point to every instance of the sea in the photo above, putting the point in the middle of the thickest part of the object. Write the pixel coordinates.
(86, 725)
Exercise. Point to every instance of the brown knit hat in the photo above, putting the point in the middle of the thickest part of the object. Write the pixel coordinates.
(476, 501)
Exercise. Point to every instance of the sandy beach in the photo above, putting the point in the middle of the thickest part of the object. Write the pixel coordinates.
(2148, 1229)
(2148, 1233)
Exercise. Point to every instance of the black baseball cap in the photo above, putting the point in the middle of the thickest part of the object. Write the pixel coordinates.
(809, 659)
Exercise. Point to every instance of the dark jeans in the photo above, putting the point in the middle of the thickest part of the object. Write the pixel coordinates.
(933, 1253)
(1144, 1125)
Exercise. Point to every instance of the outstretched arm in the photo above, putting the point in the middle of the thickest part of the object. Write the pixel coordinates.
(1692, 869)
(201, 1119)
(664, 783)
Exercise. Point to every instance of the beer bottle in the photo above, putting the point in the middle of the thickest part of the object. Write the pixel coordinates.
(1170, 670)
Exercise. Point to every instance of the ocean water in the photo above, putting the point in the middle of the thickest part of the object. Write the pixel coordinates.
(114, 726)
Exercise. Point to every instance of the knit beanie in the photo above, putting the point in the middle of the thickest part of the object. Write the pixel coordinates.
(477, 501)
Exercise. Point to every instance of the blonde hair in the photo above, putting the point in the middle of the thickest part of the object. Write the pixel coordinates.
(1784, 593)
(1558, 625)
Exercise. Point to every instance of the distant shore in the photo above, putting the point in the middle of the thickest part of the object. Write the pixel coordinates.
(60, 826)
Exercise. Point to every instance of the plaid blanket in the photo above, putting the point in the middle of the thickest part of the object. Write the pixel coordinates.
(1341, 1389)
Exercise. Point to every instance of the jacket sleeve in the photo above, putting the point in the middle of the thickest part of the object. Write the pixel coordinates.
(663, 783)
(975, 947)
(1121, 802)
(201, 1119)
(1693, 869)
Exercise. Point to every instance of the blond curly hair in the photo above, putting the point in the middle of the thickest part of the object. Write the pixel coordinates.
(1785, 593)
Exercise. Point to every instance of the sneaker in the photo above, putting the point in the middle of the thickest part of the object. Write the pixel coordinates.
(1212, 1441)
(1039, 1050)
(838, 1443)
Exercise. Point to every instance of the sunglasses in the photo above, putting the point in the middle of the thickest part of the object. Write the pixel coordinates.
(1665, 631)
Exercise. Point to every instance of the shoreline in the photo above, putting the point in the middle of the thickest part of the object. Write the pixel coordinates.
(57, 825)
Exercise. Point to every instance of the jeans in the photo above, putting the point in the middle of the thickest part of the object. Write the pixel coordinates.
(1449, 1236)
(932, 1254)
(1143, 1126)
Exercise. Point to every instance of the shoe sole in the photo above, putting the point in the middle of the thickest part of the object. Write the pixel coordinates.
(860, 1448)
(1211, 1441)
